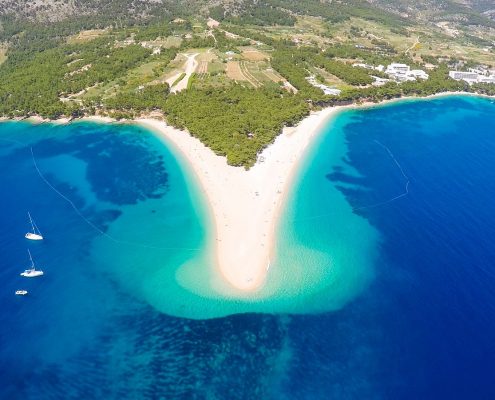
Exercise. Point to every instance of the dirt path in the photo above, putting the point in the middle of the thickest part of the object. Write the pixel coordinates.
(413, 46)
(189, 68)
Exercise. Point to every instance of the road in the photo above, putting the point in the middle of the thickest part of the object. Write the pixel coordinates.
(189, 68)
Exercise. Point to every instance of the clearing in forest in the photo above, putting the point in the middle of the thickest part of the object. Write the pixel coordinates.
(86, 36)
(273, 76)
(234, 71)
(246, 71)
(249, 75)
(204, 59)
(251, 54)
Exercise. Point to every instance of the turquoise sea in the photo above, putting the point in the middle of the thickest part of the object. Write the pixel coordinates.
(383, 284)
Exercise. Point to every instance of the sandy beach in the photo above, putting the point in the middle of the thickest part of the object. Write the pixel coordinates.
(246, 204)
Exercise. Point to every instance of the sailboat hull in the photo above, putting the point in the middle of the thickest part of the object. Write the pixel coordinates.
(31, 274)
(33, 236)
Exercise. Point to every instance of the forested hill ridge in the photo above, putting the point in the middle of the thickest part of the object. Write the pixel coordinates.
(233, 73)
(57, 10)
(462, 11)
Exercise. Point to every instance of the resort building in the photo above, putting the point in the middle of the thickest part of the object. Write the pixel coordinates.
(379, 81)
(473, 76)
(365, 66)
(380, 68)
(395, 68)
(326, 89)
(486, 79)
(396, 72)
(465, 76)
(419, 73)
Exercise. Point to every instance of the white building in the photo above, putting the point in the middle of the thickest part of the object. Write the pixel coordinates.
(365, 66)
(379, 81)
(330, 91)
(486, 79)
(419, 73)
(326, 89)
(473, 76)
(395, 68)
(462, 75)
(395, 71)
(479, 71)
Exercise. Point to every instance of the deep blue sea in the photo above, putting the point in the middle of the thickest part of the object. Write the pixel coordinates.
(418, 180)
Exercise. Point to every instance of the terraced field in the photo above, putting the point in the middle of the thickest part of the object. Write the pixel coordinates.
(235, 72)
(204, 59)
(245, 69)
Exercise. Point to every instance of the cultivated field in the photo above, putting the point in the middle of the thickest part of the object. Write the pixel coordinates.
(204, 60)
(234, 71)
(272, 75)
(251, 54)
(86, 36)
(202, 69)
(250, 71)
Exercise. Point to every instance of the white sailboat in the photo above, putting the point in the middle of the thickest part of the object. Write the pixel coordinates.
(31, 272)
(35, 234)
(21, 292)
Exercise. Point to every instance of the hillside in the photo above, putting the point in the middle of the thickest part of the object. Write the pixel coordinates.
(260, 12)
(233, 73)
(463, 12)
(58, 10)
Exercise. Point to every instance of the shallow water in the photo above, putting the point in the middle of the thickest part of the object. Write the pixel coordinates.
(388, 234)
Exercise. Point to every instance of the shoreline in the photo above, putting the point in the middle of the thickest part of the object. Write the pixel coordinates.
(246, 205)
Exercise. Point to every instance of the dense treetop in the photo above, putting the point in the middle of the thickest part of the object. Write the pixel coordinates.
(121, 62)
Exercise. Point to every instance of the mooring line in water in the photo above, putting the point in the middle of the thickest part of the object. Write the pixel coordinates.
(406, 188)
(382, 203)
(91, 224)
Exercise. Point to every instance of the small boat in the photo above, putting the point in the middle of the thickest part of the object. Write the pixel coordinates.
(35, 234)
(21, 292)
(31, 272)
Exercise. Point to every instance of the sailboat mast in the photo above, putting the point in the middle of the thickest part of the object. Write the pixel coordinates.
(36, 229)
(31, 258)
(31, 221)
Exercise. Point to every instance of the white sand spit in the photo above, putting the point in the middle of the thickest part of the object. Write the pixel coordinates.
(246, 204)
